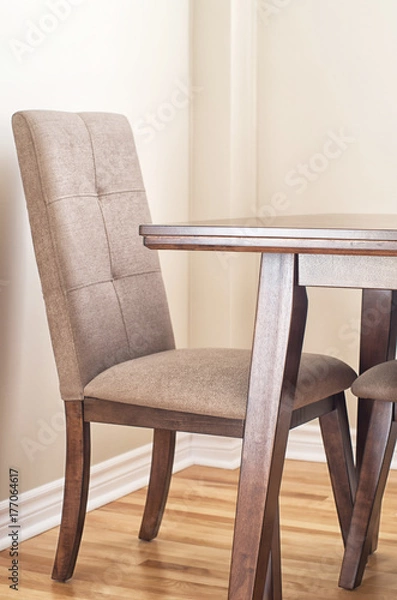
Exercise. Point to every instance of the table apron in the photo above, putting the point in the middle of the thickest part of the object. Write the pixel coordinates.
(328, 270)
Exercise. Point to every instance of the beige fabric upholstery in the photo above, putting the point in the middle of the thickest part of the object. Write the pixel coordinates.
(103, 289)
(378, 383)
(210, 381)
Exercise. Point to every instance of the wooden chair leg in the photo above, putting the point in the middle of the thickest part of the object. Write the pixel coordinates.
(159, 484)
(339, 452)
(375, 467)
(77, 478)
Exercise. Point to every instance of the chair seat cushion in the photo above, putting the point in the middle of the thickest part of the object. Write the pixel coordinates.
(378, 383)
(209, 381)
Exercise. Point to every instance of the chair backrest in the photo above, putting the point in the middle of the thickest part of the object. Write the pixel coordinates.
(102, 288)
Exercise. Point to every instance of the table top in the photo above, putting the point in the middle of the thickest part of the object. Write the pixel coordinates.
(362, 234)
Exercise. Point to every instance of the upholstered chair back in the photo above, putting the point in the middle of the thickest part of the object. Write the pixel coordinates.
(103, 290)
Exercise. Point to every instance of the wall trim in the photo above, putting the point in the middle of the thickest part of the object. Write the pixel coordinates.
(40, 508)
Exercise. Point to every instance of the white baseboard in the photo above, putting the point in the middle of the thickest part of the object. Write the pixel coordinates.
(304, 443)
(215, 451)
(40, 508)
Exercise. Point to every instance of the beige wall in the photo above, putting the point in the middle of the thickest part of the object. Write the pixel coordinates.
(323, 73)
(327, 122)
(292, 110)
(126, 56)
(223, 176)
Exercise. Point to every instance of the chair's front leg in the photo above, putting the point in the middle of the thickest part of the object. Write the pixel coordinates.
(77, 477)
(279, 329)
(159, 484)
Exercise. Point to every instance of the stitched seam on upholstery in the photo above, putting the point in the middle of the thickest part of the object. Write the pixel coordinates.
(92, 151)
(97, 196)
(107, 237)
(123, 319)
(71, 196)
(86, 285)
(30, 128)
(89, 195)
(121, 192)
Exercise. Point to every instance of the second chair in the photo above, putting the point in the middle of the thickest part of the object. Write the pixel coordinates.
(378, 384)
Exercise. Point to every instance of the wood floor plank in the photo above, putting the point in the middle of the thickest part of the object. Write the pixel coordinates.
(190, 558)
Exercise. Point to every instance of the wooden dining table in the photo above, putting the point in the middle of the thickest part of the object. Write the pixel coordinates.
(324, 250)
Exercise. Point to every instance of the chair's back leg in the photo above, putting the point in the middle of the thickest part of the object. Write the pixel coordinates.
(77, 479)
(378, 453)
(339, 452)
(159, 484)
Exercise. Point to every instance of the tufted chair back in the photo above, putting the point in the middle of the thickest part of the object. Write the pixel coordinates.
(103, 290)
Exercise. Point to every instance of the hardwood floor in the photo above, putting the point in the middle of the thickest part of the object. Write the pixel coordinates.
(190, 558)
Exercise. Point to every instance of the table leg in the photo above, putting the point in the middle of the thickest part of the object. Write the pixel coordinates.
(278, 337)
(377, 344)
(273, 586)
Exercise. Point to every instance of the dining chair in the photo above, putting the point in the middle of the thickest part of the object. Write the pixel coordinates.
(379, 384)
(111, 331)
